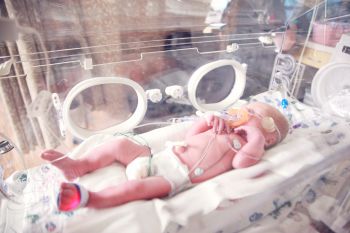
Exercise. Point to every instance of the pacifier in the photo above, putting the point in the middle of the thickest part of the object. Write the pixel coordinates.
(237, 116)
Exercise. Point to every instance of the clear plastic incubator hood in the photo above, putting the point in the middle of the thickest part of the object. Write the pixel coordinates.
(77, 74)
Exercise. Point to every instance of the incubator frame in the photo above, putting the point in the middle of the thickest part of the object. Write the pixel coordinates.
(135, 119)
(235, 94)
(138, 115)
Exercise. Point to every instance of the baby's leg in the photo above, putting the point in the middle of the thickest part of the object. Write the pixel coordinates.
(70, 167)
(132, 190)
(121, 150)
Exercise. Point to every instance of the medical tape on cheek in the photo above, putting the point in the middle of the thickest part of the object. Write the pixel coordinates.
(269, 125)
(239, 116)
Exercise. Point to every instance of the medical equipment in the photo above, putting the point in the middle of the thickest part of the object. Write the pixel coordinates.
(237, 117)
(341, 53)
(235, 94)
(329, 87)
(124, 126)
(196, 170)
(80, 198)
(154, 95)
(5, 67)
(5, 147)
(333, 73)
(77, 73)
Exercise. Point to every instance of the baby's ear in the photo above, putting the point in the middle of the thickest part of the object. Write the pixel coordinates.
(270, 140)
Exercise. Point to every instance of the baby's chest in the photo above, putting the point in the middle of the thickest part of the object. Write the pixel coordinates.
(210, 149)
(215, 159)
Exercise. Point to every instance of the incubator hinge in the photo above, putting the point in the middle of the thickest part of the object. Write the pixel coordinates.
(58, 107)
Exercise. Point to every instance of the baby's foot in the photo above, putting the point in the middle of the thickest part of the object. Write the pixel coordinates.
(70, 168)
(69, 197)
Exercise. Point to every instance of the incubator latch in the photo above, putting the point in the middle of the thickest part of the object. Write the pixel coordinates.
(175, 91)
(87, 64)
(40, 105)
(58, 107)
(5, 146)
(154, 95)
(232, 48)
(5, 67)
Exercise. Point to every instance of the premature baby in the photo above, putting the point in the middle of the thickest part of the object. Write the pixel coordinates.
(213, 145)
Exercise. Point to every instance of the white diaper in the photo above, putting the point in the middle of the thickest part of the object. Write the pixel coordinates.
(165, 164)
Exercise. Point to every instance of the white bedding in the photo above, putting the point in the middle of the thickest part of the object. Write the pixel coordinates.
(227, 203)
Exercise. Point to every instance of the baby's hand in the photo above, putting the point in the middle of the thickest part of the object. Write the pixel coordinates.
(249, 133)
(218, 124)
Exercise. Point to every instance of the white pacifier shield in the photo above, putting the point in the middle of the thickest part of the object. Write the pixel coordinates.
(124, 126)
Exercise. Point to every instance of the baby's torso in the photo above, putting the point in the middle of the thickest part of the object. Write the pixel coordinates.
(208, 154)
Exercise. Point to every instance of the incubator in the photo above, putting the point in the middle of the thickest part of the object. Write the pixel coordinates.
(75, 74)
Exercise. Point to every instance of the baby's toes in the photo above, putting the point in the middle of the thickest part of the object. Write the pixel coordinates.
(51, 155)
(69, 189)
(69, 197)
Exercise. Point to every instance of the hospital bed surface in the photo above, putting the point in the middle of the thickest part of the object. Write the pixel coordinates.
(235, 201)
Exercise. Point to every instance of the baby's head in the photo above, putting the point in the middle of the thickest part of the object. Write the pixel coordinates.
(270, 120)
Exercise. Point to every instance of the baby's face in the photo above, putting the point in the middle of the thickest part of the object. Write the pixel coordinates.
(255, 120)
(272, 124)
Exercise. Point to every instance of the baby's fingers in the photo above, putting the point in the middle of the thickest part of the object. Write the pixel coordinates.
(216, 125)
(228, 127)
(209, 119)
(221, 126)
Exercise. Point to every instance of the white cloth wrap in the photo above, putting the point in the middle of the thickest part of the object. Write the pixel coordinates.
(84, 195)
(165, 164)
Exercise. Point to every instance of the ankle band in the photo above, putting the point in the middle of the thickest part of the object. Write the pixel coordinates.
(80, 199)
(84, 195)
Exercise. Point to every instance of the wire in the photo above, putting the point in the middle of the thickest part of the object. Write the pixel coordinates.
(204, 154)
(142, 56)
(336, 18)
(13, 76)
(296, 72)
(246, 45)
(152, 123)
(235, 37)
(132, 137)
(125, 49)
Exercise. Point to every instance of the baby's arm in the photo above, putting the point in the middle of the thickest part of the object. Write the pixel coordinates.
(211, 121)
(253, 150)
(131, 190)
(199, 126)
